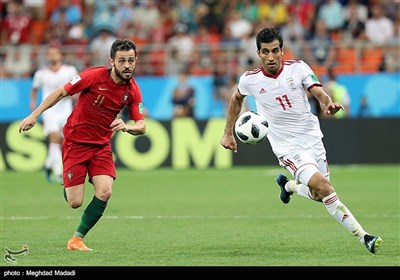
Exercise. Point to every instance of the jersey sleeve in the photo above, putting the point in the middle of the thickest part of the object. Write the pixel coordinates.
(135, 107)
(80, 82)
(309, 78)
(242, 85)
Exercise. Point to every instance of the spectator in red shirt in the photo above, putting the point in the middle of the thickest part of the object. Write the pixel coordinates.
(16, 35)
(86, 148)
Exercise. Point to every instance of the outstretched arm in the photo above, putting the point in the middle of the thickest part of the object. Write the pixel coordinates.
(327, 105)
(228, 141)
(49, 102)
(137, 128)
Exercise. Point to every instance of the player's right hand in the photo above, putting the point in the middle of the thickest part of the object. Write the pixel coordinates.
(229, 142)
(27, 123)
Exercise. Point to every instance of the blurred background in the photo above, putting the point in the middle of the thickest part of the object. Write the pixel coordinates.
(200, 48)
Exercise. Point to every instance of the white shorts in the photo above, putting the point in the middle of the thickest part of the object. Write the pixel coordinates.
(53, 123)
(303, 164)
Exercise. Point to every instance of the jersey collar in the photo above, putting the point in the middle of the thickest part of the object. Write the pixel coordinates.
(275, 75)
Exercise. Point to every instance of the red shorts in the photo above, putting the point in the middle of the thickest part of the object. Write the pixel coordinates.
(81, 159)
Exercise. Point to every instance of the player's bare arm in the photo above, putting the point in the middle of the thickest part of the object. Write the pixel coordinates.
(49, 102)
(137, 128)
(228, 141)
(327, 105)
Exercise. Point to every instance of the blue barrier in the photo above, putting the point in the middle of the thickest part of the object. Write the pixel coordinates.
(381, 90)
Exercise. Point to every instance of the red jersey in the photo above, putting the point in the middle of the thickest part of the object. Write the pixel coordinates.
(99, 103)
(18, 29)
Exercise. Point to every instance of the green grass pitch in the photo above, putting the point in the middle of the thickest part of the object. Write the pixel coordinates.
(211, 217)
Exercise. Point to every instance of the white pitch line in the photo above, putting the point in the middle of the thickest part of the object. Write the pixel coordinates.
(184, 217)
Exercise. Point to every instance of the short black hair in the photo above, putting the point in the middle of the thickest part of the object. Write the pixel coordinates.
(267, 35)
(122, 45)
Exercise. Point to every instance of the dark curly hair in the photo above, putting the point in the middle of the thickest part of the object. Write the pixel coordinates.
(267, 35)
(122, 45)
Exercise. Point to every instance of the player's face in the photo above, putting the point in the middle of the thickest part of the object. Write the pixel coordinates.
(124, 64)
(271, 56)
(54, 55)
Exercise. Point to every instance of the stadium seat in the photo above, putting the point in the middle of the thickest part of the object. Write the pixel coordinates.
(140, 41)
(336, 36)
(50, 7)
(371, 59)
(157, 60)
(319, 70)
(200, 71)
(343, 68)
(346, 60)
(38, 30)
(289, 54)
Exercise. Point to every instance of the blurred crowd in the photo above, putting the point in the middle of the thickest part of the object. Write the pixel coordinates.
(201, 37)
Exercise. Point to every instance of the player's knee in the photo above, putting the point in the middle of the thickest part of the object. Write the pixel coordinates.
(315, 196)
(104, 195)
(75, 203)
(320, 186)
(324, 188)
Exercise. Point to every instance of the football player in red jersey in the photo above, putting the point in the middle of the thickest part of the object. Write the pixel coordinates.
(86, 147)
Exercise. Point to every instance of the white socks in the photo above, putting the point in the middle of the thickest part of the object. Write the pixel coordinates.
(301, 189)
(334, 206)
(340, 212)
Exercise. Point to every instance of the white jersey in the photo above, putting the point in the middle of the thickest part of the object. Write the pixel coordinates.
(282, 100)
(49, 81)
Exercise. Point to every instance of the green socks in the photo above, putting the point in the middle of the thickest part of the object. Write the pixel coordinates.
(65, 194)
(91, 215)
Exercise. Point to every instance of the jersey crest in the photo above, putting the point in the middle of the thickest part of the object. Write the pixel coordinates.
(291, 83)
(125, 97)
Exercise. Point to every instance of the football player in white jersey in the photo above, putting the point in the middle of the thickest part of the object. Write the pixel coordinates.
(280, 91)
(49, 78)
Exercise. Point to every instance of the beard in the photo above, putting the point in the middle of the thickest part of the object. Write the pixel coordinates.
(122, 76)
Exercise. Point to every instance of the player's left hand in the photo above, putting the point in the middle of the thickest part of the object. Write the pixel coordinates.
(118, 125)
(333, 108)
